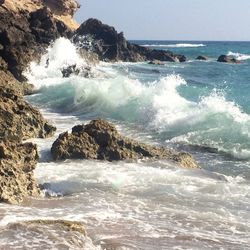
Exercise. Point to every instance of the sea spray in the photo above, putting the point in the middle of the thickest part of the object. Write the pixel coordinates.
(211, 121)
(239, 56)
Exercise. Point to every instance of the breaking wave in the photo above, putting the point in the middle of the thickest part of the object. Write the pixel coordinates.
(239, 56)
(212, 121)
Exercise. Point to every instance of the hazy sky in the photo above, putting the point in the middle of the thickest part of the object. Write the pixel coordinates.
(173, 19)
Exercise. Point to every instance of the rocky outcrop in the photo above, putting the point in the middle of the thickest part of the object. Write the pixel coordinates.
(100, 140)
(202, 58)
(227, 59)
(110, 45)
(17, 162)
(25, 35)
(63, 10)
(63, 7)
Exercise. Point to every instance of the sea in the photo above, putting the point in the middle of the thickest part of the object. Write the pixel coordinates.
(201, 107)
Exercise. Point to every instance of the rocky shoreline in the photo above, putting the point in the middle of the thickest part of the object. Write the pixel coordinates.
(26, 29)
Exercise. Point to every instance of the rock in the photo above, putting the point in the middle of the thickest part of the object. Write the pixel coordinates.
(72, 69)
(227, 59)
(45, 234)
(166, 56)
(201, 58)
(110, 45)
(19, 120)
(100, 140)
(17, 162)
(24, 36)
(63, 7)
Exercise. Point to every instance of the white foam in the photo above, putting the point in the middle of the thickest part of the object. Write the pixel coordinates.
(178, 45)
(60, 54)
(239, 56)
(212, 121)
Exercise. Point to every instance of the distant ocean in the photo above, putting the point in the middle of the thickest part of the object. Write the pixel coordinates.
(202, 107)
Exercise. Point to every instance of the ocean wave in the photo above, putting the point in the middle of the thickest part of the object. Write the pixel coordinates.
(178, 45)
(212, 121)
(239, 56)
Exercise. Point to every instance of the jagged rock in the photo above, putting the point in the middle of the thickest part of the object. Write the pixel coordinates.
(100, 140)
(227, 59)
(24, 37)
(19, 120)
(110, 45)
(17, 162)
(202, 58)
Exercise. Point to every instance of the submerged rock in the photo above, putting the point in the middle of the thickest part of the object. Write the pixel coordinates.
(17, 162)
(202, 58)
(45, 234)
(110, 45)
(227, 59)
(100, 140)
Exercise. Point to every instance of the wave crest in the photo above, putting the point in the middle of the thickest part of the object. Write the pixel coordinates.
(239, 56)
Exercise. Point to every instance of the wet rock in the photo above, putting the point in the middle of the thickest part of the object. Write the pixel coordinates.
(100, 140)
(202, 58)
(110, 45)
(19, 120)
(45, 234)
(227, 59)
(24, 36)
(72, 69)
(17, 162)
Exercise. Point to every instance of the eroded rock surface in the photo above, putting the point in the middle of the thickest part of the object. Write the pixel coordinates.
(100, 140)
(17, 162)
(19, 120)
(110, 45)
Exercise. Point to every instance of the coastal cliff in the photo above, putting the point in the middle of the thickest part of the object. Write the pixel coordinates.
(27, 28)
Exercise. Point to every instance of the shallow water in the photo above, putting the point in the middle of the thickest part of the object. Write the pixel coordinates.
(194, 106)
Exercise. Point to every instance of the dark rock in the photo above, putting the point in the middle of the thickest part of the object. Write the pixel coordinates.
(227, 59)
(72, 69)
(100, 140)
(202, 58)
(24, 37)
(110, 45)
(17, 162)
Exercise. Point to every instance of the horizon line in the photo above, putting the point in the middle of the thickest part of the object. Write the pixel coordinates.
(178, 40)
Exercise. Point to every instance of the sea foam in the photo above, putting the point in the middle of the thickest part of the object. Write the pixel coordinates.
(212, 121)
(178, 45)
(239, 56)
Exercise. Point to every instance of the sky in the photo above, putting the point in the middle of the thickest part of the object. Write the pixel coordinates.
(226, 20)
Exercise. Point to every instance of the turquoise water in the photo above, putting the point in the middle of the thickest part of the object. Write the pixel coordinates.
(198, 106)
